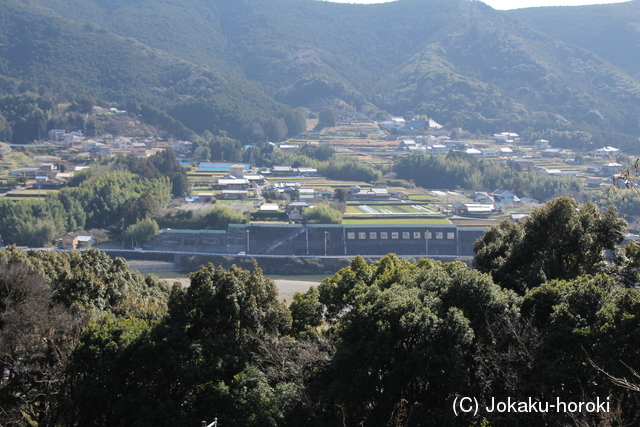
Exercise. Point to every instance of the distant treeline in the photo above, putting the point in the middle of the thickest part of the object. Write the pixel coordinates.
(97, 197)
(462, 171)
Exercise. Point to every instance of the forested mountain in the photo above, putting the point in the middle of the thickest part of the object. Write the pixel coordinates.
(62, 60)
(610, 32)
(457, 61)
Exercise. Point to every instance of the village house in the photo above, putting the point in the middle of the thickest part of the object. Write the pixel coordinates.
(458, 145)
(305, 171)
(236, 170)
(282, 171)
(49, 169)
(437, 149)
(255, 178)
(139, 149)
(375, 193)
(56, 135)
(72, 241)
(395, 194)
(269, 207)
(233, 183)
(396, 123)
(72, 139)
(609, 152)
(406, 144)
(504, 196)
(541, 144)
(181, 147)
(326, 194)
(285, 187)
(594, 181)
(482, 197)
(295, 209)
(473, 209)
(288, 171)
(230, 194)
(610, 168)
(306, 193)
(506, 152)
(121, 143)
(490, 153)
(89, 145)
(507, 137)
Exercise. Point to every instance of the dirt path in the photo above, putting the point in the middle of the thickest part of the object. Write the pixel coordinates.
(289, 287)
(166, 271)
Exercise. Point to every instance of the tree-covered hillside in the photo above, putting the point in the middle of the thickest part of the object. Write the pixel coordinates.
(63, 60)
(610, 31)
(460, 62)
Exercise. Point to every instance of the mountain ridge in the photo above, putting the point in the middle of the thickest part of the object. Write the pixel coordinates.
(457, 61)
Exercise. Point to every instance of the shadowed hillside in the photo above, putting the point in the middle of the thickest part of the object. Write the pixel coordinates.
(458, 61)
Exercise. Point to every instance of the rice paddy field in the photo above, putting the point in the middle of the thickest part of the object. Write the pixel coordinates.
(31, 193)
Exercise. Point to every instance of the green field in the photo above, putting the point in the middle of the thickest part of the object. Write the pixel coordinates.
(17, 195)
(394, 221)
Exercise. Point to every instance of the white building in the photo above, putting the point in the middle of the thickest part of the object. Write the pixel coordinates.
(609, 152)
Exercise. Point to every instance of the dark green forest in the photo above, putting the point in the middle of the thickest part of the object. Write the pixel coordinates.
(45, 59)
(231, 68)
(86, 341)
(96, 198)
(460, 170)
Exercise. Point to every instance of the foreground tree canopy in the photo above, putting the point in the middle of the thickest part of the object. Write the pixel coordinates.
(86, 341)
(561, 240)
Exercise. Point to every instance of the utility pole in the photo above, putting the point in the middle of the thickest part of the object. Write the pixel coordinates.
(325, 242)
(344, 239)
(426, 245)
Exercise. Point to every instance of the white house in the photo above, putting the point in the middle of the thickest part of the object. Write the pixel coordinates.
(490, 153)
(609, 152)
(437, 149)
(396, 123)
(233, 183)
(504, 196)
(541, 144)
(181, 147)
(473, 209)
(506, 137)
